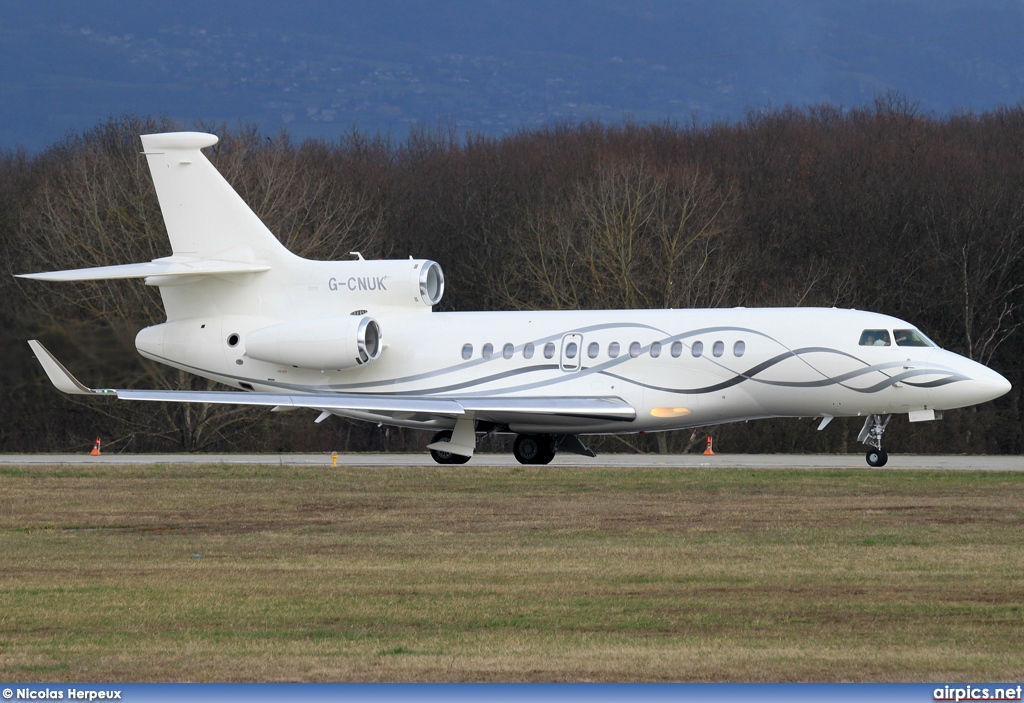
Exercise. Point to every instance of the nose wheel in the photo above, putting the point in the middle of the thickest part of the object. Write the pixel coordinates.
(871, 435)
(877, 457)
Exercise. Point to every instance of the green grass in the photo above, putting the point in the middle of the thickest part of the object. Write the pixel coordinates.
(525, 574)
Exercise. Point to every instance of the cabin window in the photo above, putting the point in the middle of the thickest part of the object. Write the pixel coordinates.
(593, 350)
(528, 350)
(677, 350)
(570, 350)
(549, 350)
(911, 338)
(467, 351)
(697, 349)
(874, 338)
(507, 351)
(634, 349)
(488, 351)
(613, 349)
(718, 349)
(655, 349)
(739, 348)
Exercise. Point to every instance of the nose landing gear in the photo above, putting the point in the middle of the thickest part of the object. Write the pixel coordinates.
(871, 435)
(877, 457)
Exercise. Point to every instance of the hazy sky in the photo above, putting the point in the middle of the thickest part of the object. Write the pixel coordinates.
(321, 69)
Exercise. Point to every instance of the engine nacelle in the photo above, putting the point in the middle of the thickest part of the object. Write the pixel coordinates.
(431, 283)
(328, 343)
(397, 282)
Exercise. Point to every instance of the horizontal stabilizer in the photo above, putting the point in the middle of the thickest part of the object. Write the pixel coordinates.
(159, 267)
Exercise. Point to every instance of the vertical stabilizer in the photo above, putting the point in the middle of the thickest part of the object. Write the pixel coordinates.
(205, 217)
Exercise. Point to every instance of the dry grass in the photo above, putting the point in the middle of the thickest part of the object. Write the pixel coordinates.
(209, 573)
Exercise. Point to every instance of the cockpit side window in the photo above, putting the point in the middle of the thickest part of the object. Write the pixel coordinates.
(911, 338)
(875, 338)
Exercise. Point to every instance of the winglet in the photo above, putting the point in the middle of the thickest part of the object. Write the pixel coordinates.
(59, 376)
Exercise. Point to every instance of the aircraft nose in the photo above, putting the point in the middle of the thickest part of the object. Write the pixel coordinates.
(977, 383)
(993, 384)
(985, 384)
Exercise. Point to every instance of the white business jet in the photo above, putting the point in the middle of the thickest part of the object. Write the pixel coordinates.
(358, 339)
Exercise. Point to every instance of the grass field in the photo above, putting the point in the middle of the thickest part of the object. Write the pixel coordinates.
(266, 573)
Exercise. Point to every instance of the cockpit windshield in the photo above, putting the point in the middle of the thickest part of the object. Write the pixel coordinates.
(904, 338)
(875, 338)
(911, 338)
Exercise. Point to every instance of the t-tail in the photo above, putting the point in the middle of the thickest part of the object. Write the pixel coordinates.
(229, 280)
(206, 219)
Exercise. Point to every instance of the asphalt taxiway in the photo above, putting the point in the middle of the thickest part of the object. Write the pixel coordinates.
(724, 461)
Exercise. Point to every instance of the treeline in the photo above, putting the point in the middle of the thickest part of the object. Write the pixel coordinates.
(882, 208)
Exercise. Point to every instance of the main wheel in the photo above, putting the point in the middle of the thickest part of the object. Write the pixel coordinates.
(443, 457)
(876, 457)
(533, 449)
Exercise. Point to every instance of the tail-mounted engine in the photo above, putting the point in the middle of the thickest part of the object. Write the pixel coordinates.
(331, 343)
(431, 282)
(390, 282)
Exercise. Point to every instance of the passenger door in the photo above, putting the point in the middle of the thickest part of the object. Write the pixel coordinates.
(572, 351)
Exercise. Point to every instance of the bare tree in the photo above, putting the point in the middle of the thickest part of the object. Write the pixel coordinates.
(631, 237)
(299, 195)
(981, 255)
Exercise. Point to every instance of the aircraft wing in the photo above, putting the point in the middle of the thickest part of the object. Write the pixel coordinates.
(495, 408)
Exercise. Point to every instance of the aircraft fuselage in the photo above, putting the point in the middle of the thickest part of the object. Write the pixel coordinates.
(677, 368)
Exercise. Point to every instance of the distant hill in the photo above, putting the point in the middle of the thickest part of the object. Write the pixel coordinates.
(489, 67)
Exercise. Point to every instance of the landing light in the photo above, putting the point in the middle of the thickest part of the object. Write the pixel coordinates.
(669, 412)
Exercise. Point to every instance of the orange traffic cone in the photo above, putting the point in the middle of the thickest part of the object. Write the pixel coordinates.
(95, 448)
(708, 451)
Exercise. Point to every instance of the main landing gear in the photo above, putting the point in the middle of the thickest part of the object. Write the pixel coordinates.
(871, 435)
(443, 457)
(534, 448)
(541, 448)
(527, 448)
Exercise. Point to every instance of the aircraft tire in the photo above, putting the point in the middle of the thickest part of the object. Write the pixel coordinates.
(533, 449)
(877, 457)
(526, 448)
(547, 445)
(442, 457)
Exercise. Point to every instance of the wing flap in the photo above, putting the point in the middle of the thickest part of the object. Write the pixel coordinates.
(317, 401)
(504, 409)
